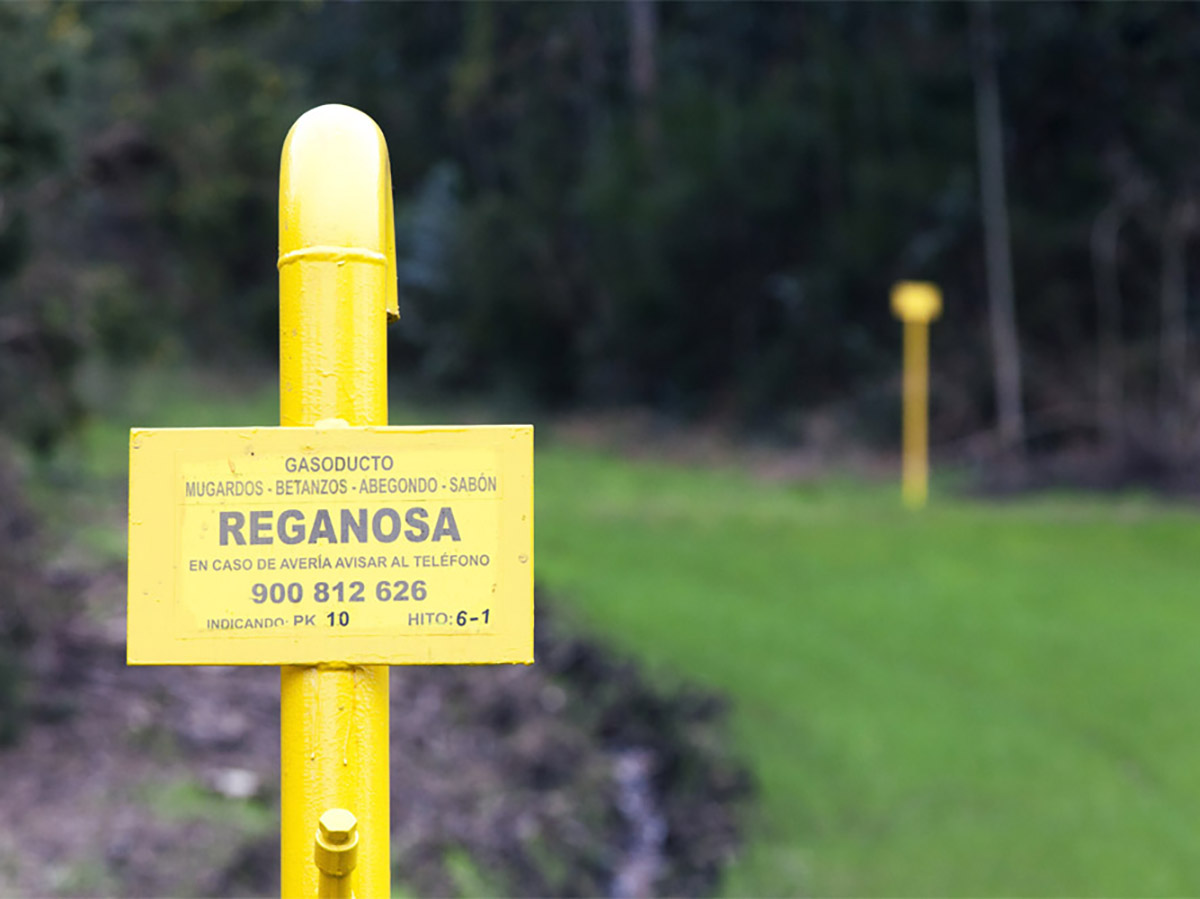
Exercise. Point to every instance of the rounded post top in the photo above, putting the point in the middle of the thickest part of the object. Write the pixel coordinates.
(916, 301)
(335, 193)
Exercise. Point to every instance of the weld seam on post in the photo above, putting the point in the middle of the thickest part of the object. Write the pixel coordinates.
(323, 253)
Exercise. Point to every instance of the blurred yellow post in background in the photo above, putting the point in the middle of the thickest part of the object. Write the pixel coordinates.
(916, 303)
(337, 289)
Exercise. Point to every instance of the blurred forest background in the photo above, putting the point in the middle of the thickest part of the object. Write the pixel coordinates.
(696, 209)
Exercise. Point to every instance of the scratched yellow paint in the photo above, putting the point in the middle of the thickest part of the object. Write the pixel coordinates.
(303, 545)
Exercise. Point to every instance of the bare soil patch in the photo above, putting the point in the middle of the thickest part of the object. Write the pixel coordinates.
(576, 776)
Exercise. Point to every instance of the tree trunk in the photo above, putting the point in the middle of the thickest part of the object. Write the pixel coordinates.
(1173, 338)
(1110, 381)
(643, 67)
(1001, 308)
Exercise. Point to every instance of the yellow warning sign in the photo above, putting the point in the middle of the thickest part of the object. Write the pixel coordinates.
(367, 545)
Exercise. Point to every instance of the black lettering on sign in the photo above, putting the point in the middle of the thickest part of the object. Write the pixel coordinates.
(292, 526)
(231, 527)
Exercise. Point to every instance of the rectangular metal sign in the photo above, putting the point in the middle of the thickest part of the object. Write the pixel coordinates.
(366, 545)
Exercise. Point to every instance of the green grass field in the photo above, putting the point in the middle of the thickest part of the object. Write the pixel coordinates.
(980, 699)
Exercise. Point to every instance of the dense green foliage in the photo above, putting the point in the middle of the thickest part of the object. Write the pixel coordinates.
(716, 238)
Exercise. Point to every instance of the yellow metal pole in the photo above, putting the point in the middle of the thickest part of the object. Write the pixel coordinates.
(337, 287)
(916, 304)
(915, 480)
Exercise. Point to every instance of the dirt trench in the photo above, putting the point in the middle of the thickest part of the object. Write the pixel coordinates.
(573, 777)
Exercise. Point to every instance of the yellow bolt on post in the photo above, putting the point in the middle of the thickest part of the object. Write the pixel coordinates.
(916, 303)
(335, 853)
(337, 289)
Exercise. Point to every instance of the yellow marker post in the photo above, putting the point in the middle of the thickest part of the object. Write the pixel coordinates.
(334, 545)
(337, 289)
(916, 303)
